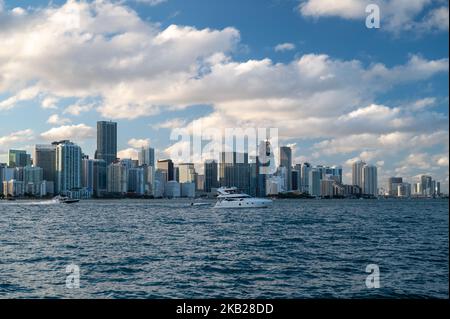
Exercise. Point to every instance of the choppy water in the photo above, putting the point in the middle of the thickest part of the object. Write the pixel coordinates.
(164, 249)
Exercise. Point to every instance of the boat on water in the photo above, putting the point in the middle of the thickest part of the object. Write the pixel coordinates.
(65, 200)
(231, 197)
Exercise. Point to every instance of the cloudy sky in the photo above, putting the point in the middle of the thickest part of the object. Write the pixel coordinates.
(336, 90)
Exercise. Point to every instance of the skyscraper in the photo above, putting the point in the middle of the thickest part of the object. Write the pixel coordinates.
(18, 158)
(146, 156)
(393, 183)
(357, 171)
(304, 177)
(370, 180)
(167, 166)
(234, 171)
(106, 141)
(87, 173)
(210, 175)
(286, 161)
(100, 173)
(186, 173)
(44, 156)
(117, 178)
(68, 167)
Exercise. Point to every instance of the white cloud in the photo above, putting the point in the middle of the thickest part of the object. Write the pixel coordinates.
(69, 132)
(396, 15)
(138, 143)
(49, 102)
(16, 137)
(171, 124)
(284, 47)
(78, 108)
(56, 119)
(128, 153)
(151, 2)
(23, 95)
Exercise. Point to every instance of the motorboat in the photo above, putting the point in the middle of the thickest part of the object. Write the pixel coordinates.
(231, 197)
(65, 200)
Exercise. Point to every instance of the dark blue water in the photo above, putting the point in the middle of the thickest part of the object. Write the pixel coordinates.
(164, 249)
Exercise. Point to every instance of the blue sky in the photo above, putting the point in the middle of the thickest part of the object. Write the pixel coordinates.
(338, 91)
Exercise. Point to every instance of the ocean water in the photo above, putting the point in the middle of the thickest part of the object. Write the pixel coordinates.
(166, 249)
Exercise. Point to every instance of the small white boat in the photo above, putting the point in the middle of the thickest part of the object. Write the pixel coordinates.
(65, 200)
(232, 198)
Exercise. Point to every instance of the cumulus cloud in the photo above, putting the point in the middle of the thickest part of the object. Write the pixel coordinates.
(151, 2)
(396, 15)
(128, 153)
(138, 143)
(56, 119)
(78, 108)
(284, 47)
(16, 137)
(69, 132)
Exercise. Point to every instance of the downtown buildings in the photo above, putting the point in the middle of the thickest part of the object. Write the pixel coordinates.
(62, 168)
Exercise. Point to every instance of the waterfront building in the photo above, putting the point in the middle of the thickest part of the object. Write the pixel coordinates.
(68, 167)
(286, 162)
(370, 180)
(44, 156)
(106, 141)
(357, 173)
(167, 166)
(87, 173)
(172, 189)
(18, 158)
(315, 176)
(146, 156)
(234, 171)
(188, 190)
(393, 183)
(117, 178)
(136, 182)
(210, 171)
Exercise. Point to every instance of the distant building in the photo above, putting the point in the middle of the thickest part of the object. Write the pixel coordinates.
(87, 173)
(234, 171)
(315, 176)
(186, 173)
(188, 190)
(68, 167)
(327, 187)
(357, 173)
(117, 178)
(404, 190)
(146, 156)
(100, 185)
(18, 158)
(167, 166)
(304, 177)
(210, 170)
(33, 181)
(370, 180)
(173, 189)
(136, 180)
(13, 188)
(286, 162)
(44, 156)
(106, 141)
(393, 183)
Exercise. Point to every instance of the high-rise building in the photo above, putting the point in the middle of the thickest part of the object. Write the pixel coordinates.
(44, 156)
(427, 185)
(173, 189)
(186, 173)
(403, 190)
(315, 176)
(100, 176)
(304, 176)
(136, 180)
(210, 170)
(393, 183)
(370, 180)
(33, 178)
(68, 167)
(117, 178)
(295, 179)
(87, 173)
(146, 156)
(234, 171)
(167, 166)
(106, 141)
(18, 158)
(357, 173)
(286, 162)
(160, 183)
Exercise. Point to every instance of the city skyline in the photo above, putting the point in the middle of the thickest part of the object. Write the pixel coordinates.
(73, 170)
(336, 105)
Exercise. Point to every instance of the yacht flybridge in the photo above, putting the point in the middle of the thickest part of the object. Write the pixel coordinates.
(230, 197)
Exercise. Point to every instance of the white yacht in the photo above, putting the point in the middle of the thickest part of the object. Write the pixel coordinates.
(232, 198)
